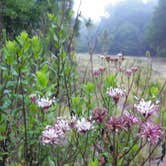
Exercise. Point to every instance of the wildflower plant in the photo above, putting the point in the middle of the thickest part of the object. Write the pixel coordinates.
(50, 117)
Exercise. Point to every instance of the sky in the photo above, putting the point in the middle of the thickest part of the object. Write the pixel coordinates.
(94, 9)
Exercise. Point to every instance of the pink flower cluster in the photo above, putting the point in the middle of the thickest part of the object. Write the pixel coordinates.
(131, 71)
(100, 114)
(57, 134)
(147, 108)
(117, 123)
(129, 119)
(115, 93)
(98, 72)
(150, 131)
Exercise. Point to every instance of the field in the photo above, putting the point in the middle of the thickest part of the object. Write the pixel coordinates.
(158, 64)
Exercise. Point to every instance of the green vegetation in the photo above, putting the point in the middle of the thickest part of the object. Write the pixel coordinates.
(31, 15)
(57, 110)
(133, 27)
(156, 33)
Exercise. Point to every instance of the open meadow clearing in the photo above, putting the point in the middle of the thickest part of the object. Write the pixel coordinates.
(158, 64)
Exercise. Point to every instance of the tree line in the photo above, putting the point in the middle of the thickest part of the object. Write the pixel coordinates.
(31, 15)
(133, 27)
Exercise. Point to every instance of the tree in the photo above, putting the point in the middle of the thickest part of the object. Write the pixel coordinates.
(127, 24)
(20, 15)
(126, 27)
(156, 34)
(32, 15)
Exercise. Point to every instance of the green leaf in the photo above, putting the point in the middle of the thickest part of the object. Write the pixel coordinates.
(3, 128)
(23, 36)
(20, 151)
(111, 80)
(44, 68)
(75, 100)
(51, 162)
(154, 90)
(2, 138)
(135, 147)
(10, 51)
(55, 38)
(89, 87)
(42, 78)
(93, 163)
(36, 46)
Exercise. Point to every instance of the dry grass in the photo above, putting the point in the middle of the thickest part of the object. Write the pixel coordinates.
(158, 64)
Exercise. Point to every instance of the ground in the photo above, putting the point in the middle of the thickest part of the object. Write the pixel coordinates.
(158, 64)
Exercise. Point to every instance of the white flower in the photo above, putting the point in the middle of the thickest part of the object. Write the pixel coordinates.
(52, 135)
(56, 134)
(147, 108)
(83, 125)
(63, 124)
(44, 103)
(115, 93)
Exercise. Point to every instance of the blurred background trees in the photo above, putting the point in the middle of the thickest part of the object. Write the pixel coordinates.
(156, 32)
(20, 15)
(133, 27)
(31, 15)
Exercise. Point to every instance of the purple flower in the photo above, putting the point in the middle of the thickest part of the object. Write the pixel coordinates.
(116, 123)
(33, 98)
(115, 93)
(99, 114)
(134, 69)
(129, 72)
(98, 72)
(129, 119)
(102, 69)
(147, 108)
(150, 131)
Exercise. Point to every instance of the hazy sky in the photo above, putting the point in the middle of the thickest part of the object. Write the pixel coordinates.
(95, 8)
